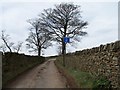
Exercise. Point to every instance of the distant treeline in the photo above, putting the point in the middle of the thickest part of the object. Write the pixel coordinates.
(14, 64)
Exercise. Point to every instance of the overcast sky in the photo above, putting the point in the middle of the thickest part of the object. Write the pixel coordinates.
(101, 16)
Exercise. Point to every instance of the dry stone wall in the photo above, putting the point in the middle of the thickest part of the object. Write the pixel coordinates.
(103, 61)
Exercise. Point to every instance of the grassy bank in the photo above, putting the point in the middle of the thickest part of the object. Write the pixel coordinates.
(82, 79)
(14, 64)
(71, 83)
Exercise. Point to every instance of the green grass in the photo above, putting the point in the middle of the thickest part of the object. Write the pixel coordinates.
(86, 79)
(83, 79)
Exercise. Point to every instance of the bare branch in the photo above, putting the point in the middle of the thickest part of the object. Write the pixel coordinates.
(18, 47)
(38, 37)
(62, 21)
(4, 37)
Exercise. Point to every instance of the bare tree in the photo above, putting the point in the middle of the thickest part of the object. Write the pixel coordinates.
(18, 47)
(64, 21)
(3, 48)
(7, 45)
(39, 37)
(5, 37)
(59, 50)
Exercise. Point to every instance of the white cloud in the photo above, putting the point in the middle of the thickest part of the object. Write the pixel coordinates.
(102, 19)
(59, 0)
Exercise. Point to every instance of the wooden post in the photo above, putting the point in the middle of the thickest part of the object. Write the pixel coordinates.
(64, 55)
(64, 59)
(1, 70)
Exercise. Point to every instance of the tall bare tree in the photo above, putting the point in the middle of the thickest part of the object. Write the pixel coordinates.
(7, 45)
(39, 37)
(3, 48)
(17, 48)
(59, 50)
(5, 38)
(64, 21)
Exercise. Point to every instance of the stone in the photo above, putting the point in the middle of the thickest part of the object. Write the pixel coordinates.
(115, 58)
(101, 60)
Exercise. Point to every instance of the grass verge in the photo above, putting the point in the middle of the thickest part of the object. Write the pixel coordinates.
(71, 83)
(80, 79)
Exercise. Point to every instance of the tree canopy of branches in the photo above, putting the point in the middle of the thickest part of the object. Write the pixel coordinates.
(17, 48)
(64, 21)
(5, 37)
(7, 45)
(39, 37)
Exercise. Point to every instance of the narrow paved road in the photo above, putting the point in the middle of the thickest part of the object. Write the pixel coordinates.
(45, 75)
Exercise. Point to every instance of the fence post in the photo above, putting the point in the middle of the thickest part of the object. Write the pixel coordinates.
(0, 70)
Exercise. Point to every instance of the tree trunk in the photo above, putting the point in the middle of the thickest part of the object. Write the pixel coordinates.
(64, 50)
(64, 44)
(7, 45)
(39, 51)
(38, 41)
(10, 49)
